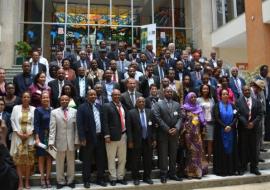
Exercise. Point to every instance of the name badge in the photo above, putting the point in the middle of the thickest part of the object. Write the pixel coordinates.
(150, 123)
(175, 113)
(38, 92)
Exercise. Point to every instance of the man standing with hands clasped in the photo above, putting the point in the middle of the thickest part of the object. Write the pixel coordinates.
(63, 135)
(141, 139)
(167, 114)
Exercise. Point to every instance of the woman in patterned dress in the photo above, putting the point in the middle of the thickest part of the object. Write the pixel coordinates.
(191, 132)
(22, 143)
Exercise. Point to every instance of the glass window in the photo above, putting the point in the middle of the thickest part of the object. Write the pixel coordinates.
(77, 11)
(137, 36)
(229, 10)
(31, 34)
(219, 13)
(53, 34)
(121, 12)
(183, 39)
(76, 37)
(240, 6)
(55, 11)
(163, 12)
(164, 37)
(32, 11)
(99, 12)
(179, 13)
(122, 34)
(142, 12)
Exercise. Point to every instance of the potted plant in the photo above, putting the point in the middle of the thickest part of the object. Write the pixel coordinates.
(23, 49)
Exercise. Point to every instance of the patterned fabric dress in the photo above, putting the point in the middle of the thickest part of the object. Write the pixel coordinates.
(196, 165)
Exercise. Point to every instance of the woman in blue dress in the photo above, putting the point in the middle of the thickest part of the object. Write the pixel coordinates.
(41, 131)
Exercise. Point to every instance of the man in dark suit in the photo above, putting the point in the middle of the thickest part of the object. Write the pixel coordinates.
(101, 98)
(56, 87)
(23, 80)
(83, 62)
(141, 138)
(67, 54)
(236, 83)
(114, 118)
(196, 75)
(128, 98)
(160, 70)
(264, 76)
(169, 62)
(82, 85)
(113, 53)
(143, 63)
(149, 53)
(153, 97)
(168, 116)
(91, 138)
(117, 76)
(147, 79)
(180, 71)
(108, 84)
(134, 55)
(213, 59)
(186, 61)
(37, 67)
(250, 114)
(173, 53)
(103, 61)
(58, 61)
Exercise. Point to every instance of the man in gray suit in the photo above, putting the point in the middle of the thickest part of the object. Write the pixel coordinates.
(63, 135)
(122, 63)
(168, 116)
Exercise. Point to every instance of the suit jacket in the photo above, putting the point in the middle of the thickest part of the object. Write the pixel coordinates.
(188, 65)
(78, 64)
(211, 63)
(63, 133)
(184, 73)
(86, 122)
(126, 101)
(55, 63)
(169, 63)
(101, 65)
(166, 117)
(142, 66)
(115, 86)
(134, 127)
(233, 86)
(150, 55)
(88, 85)
(41, 67)
(113, 55)
(20, 83)
(55, 91)
(119, 65)
(144, 85)
(112, 122)
(256, 113)
(156, 71)
(194, 79)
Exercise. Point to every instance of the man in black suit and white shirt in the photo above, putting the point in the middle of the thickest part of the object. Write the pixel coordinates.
(141, 139)
(168, 116)
(114, 118)
(37, 67)
(250, 114)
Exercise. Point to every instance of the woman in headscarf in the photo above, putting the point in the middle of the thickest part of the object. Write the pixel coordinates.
(225, 137)
(192, 124)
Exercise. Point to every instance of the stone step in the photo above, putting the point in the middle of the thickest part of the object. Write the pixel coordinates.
(35, 179)
(206, 182)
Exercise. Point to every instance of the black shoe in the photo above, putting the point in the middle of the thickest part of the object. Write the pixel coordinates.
(102, 183)
(175, 178)
(148, 181)
(59, 186)
(113, 183)
(136, 182)
(71, 185)
(122, 181)
(163, 180)
(263, 150)
(256, 172)
(261, 160)
(86, 185)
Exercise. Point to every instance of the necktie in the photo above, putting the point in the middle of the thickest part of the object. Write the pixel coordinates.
(123, 67)
(249, 113)
(237, 86)
(198, 75)
(114, 77)
(97, 118)
(161, 73)
(65, 114)
(121, 117)
(60, 89)
(132, 98)
(84, 65)
(144, 127)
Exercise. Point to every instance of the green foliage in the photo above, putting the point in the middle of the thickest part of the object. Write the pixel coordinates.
(22, 48)
(250, 76)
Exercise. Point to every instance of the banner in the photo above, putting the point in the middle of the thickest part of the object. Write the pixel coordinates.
(148, 35)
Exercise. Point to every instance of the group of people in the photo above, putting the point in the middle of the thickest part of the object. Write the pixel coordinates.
(117, 105)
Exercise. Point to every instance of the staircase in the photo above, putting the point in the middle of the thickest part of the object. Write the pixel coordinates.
(11, 72)
(209, 180)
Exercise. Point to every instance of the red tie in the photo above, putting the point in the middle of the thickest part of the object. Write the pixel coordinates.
(114, 77)
(121, 117)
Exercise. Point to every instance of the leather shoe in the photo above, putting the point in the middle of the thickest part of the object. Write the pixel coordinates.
(136, 182)
(175, 178)
(122, 181)
(256, 172)
(102, 183)
(263, 150)
(148, 181)
(59, 186)
(113, 183)
(71, 185)
(163, 180)
(261, 160)
(86, 185)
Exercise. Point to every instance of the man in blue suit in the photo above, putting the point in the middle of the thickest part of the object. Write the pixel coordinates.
(91, 137)
(236, 83)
